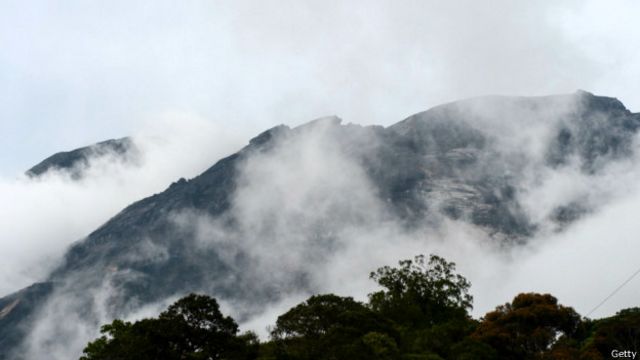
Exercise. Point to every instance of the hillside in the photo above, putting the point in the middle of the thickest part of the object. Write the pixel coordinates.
(261, 223)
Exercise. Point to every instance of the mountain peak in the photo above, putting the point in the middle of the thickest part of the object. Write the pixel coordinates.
(75, 161)
(467, 162)
(601, 103)
(266, 136)
(325, 120)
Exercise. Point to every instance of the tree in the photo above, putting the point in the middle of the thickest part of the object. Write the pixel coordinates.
(621, 332)
(124, 341)
(527, 327)
(428, 302)
(192, 328)
(333, 327)
(198, 327)
(380, 346)
(421, 293)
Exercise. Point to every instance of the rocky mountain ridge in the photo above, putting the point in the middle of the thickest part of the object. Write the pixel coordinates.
(76, 161)
(451, 162)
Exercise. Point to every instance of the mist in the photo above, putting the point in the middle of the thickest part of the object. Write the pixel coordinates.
(307, 207)
(308, 218)
(191, 83)
(78, 73)
(40, 217)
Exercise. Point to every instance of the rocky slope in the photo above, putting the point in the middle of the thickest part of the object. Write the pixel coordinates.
(76, 161)
(471, 161)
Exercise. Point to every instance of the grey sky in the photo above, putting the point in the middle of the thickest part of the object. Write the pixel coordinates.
(76, 72)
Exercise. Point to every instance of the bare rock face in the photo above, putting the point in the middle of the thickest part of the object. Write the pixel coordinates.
(76, 161)
(470, 161)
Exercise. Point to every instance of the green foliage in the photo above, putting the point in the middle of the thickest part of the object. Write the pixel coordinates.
(332, 327)
(428, 303)
(439, 339)
(621, 331)
(421, 293)
(471, 349)
(380, 346)
(192, 328)
(420, 314)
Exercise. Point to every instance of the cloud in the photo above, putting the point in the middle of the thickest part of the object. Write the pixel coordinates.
(307, 219)
(90, 71)
(78, 73)
(41, 217)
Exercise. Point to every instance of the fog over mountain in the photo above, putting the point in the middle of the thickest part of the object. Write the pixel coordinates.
(66, 209)
(79, 73)
(76, 162)
(524, 193)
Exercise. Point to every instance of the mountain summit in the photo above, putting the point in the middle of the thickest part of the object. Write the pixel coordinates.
(76, 161)
(264, 222)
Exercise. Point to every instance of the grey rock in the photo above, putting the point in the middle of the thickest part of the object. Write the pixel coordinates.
(76, 161)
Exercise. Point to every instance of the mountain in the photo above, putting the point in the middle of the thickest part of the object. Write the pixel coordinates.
(76, 161)
(263, 222)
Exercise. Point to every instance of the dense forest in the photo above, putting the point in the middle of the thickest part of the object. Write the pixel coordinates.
(420, 313)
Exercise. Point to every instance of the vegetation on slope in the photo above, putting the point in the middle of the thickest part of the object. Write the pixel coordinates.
(421, 313)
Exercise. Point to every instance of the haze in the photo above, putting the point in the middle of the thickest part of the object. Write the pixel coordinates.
(74, 73)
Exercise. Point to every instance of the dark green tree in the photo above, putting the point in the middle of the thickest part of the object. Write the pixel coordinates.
(333, 327)
(421, 313)
(621, 332)
(192, 328)
(421, 293)
(428, 302)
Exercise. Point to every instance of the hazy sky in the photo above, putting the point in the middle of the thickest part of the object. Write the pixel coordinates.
(75, 72)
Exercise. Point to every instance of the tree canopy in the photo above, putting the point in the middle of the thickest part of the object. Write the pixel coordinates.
(330, 327)
(527, 327)
(420, 313)
(421, 293)
(192, 328)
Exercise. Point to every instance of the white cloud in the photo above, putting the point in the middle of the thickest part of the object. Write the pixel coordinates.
(72, 70)
(309, 220)
(40, 217)
(73, 73)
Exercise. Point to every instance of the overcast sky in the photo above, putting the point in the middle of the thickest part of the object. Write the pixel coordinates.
(76, 72)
